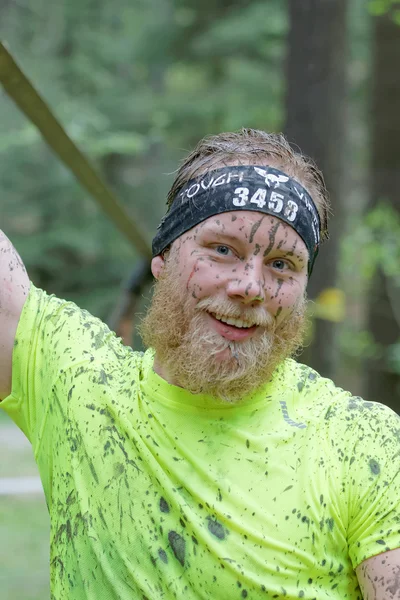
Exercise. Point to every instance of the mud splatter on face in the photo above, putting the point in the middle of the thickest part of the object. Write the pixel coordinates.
(278, 287)
(254, 229)
(272, 237)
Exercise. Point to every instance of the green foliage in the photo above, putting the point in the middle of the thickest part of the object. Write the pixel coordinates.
(358, 345)
(377, 240)
(378, 8)
(135, 84)
(393, 353)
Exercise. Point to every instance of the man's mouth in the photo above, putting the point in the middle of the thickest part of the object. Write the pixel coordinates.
(240, 323)
(231, 328)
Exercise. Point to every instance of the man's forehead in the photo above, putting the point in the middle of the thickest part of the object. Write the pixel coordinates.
(250, 227)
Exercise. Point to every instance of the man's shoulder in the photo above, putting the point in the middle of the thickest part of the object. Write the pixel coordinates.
(319, 398)
(68, 334)
(306, 383)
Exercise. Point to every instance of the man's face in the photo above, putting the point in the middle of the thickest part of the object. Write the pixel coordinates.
(229, 289)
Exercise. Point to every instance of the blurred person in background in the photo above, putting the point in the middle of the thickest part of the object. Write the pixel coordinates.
(213, 465)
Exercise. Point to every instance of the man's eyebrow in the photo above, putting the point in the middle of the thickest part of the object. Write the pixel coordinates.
(286, 248)
(220, 233)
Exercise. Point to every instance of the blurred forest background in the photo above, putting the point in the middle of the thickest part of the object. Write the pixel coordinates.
(136, 83)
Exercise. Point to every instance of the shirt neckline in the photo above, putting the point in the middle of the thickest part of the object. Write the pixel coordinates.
(172, 394)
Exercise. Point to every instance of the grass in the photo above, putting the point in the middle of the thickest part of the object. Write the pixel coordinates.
(24, 526)
(24, 535)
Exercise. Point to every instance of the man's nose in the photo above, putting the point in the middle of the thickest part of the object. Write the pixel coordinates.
(247, 285)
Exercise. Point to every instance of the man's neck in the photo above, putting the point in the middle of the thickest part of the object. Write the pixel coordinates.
(163, 372)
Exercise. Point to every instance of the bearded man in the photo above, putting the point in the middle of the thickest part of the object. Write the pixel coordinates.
(214, 465)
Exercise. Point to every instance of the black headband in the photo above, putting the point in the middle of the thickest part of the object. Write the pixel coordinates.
(262, 189)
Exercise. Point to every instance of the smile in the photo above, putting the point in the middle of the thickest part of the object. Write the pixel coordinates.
(241, 324)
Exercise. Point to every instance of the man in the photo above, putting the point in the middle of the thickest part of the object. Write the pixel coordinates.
(212, 466)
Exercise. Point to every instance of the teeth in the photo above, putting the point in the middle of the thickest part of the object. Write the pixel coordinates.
(236, 322)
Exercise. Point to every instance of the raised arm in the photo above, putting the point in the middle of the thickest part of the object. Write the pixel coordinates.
(14, 287)
(379, 576)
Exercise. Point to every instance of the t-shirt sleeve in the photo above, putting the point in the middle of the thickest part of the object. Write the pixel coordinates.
(373, 481)
(53, 335)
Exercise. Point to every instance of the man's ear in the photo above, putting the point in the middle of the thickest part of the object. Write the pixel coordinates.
(157, 265)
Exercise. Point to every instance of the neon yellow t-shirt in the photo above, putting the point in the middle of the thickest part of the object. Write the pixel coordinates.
(156, 493)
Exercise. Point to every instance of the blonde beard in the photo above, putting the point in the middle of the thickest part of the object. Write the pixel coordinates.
(188, 350)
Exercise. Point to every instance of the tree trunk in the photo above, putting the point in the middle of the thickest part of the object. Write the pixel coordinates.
(315, 105)
(382, 383)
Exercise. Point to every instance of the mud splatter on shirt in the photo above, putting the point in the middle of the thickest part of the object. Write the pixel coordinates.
(155, 493)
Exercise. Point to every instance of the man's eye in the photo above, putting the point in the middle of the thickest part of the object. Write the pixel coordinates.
(224, 250)
(280, 264)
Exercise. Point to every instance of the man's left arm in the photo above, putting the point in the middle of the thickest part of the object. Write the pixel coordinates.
(373, 497)
(379, 576)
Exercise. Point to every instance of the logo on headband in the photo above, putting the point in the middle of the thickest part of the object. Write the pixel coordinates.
(270, 178)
